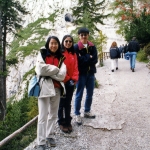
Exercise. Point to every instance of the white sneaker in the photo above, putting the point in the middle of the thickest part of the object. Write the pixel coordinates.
(78, 119)
(89, 115)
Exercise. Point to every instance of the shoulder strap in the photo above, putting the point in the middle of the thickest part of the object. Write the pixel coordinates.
(61, 61)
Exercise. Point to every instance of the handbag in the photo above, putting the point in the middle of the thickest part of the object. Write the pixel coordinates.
(34, 86)
(127, 55)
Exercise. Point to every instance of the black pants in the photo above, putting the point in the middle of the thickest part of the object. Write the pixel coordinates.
(65, 107)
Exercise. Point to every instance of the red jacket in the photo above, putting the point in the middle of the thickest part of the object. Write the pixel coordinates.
(53, 61)
(72, 66)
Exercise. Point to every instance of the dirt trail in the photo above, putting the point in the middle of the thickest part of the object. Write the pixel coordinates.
(121, 105)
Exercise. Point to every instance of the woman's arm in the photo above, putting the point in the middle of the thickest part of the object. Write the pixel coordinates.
(60, 76)
(43, 69)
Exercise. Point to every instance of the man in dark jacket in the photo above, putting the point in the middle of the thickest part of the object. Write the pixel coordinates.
(133, 48)
(87, 59)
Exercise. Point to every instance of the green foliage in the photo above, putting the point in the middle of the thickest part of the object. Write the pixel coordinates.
(18, 114)
(131, 20)
(32, 71)
(11, 17)
(12, 61)
(11, 14)
(100, 41)
(140, 28)
(147, 49)
(96, 84)
(33, 107)
(88, 13)
(142, 56)
(3, 73)
(33, 44)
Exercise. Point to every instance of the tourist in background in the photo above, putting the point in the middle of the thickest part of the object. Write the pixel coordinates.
(125, 48)
(133, 48)
(121, 55)
(51, 68)
(114, 55)
(64, 112)
(87, 59)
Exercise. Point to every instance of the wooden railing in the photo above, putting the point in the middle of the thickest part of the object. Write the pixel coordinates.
(102, 56)
(8, 138)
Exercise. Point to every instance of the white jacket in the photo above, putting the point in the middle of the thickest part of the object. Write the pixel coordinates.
(47, 70)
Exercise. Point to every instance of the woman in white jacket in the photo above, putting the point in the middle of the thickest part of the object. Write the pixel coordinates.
(52, 70)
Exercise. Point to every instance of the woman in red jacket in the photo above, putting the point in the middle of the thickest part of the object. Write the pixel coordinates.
(64, 117)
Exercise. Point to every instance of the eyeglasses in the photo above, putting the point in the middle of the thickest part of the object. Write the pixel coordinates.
(84, 34)
(68, 41)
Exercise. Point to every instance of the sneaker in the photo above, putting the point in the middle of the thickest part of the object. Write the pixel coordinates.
(112, 70)
(51, 142)
(132, 70)
(41, 147)
(89, 115)
(78, 119)
(116, 68)
(63, 128)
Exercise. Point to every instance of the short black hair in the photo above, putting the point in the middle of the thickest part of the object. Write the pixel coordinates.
(83, 30)
(133, 38)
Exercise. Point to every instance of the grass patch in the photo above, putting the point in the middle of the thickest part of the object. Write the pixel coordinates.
(97, 85)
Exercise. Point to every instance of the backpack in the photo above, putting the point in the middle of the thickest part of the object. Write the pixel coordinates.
(34, 87)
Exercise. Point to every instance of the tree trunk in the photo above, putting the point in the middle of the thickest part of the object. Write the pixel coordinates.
(2, 77)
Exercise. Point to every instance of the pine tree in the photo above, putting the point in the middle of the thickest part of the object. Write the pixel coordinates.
(88, 13)
(10, 19)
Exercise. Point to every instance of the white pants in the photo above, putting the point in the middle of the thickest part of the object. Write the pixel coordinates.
(114, 63)
(48, 114)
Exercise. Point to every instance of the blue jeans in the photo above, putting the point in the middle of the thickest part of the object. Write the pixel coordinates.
(132, 59)
(87, 81)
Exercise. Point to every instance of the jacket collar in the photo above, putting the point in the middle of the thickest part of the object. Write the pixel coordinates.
(81, 46)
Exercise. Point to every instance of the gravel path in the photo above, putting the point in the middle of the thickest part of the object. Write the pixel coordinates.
(121, 105)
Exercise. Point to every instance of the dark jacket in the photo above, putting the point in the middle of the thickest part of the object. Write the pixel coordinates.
(133, 46)
(114, 53)
(125, 48)
(85, 63)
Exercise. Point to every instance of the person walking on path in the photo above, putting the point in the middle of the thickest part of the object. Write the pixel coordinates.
(120, 49)
(114, 55)
(52, 70)
(125, 48)
(121, 55)
(87, 59)
(133, 48)
(64, 117)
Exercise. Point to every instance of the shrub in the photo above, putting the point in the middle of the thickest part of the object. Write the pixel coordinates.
(142, 56)
(96, 83)
(147, 49)
(18, 114)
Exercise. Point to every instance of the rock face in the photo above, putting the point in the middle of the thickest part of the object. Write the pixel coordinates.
(43, 9)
